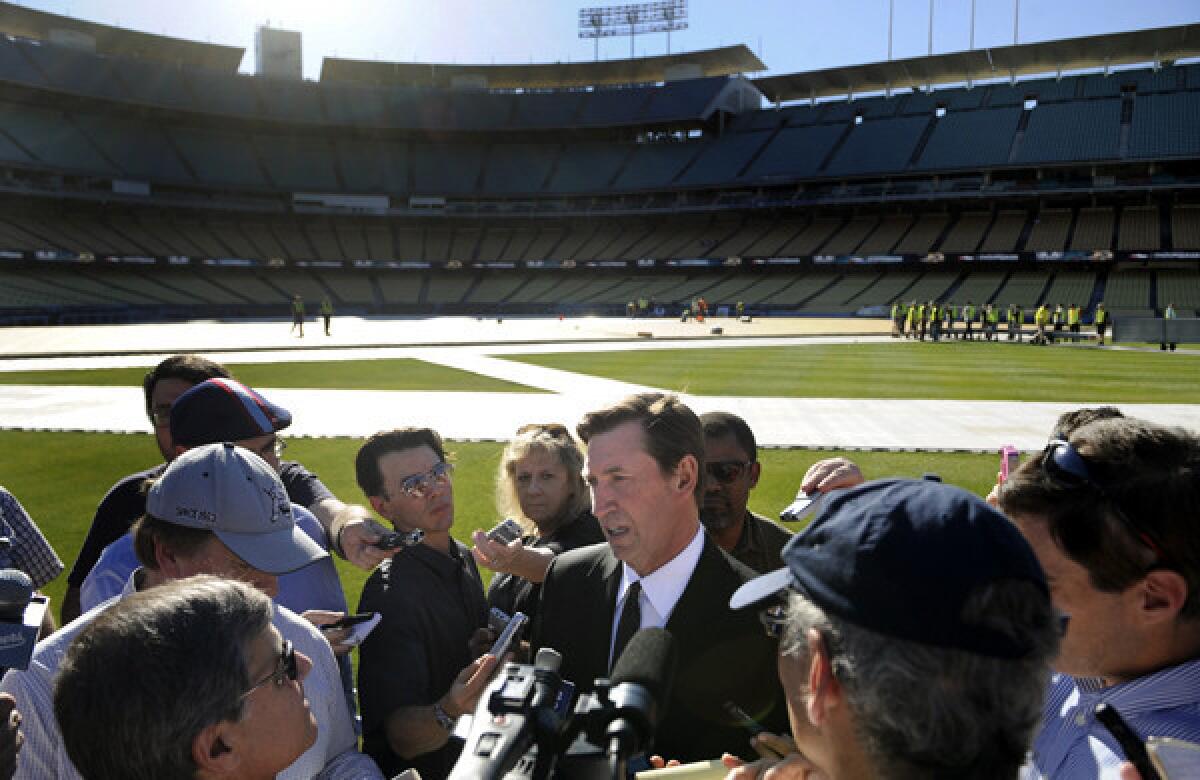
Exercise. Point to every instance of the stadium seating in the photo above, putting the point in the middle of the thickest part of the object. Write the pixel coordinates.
(1128, 293)
(1070, 287)
(1181, 288)
(1082, 130)
(1139, 228)
(1093, 229)
(1023, 288)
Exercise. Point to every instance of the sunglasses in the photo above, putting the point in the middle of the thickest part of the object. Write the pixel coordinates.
(419, 485)
(556, 430)
(1064, 467)
(774, 620)
(727, 471)
(285, 669)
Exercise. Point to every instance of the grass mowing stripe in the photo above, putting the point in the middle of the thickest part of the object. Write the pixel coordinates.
(958, 370)
(398, 374)
(61, 477)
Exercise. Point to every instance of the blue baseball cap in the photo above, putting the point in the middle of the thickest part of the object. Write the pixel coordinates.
(221, 409)
(901, 557)
(233, 493)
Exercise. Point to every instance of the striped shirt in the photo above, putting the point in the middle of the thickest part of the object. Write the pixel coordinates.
(1072, 745)
(30, 552)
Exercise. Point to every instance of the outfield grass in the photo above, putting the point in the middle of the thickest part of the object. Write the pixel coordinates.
(399, 374)
(950, 370)
(60, 477)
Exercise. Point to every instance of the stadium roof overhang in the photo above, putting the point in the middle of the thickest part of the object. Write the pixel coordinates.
(101, 38)
(725, 61)
(1162, 44)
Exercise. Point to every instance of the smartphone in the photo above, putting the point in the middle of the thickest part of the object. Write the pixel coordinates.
(506, 531)
(1010, 457)
(395, 539)
(1175, 759)
(347, 621)
(509, 634)
(498, 619)
(745, 721)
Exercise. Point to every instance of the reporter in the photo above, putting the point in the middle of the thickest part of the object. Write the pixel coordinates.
(539, 483)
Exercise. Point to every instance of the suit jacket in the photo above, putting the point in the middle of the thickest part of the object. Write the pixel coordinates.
(724, 655)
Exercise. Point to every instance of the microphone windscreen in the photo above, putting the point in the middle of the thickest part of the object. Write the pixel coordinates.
(649, 660)
(16, 589)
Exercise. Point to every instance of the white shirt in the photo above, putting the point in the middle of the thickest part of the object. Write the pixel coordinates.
(661, 588)
(334, 754)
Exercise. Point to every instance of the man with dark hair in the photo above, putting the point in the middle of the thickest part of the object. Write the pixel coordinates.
(916, 640)
(644, 466)
(125, 502)
(186, 680)
(1111, 513)
(731, 470)
(223, 414)
(217, 509)
(417, 673)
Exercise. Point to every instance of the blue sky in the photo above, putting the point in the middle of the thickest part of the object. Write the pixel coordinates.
(788, 35)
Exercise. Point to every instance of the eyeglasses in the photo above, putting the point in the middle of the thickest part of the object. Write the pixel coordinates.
(1062, 465)
(275, 446)
(419, 485)
(161, 416)
(726, 471)
(556, 430)
(774, 620)
(285, 669)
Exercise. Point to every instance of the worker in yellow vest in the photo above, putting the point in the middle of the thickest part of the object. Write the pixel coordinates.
(1041, 320)
(968, 321)
(1101, 320)
(1074, 316)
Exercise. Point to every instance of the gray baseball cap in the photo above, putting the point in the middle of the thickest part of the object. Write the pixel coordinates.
(236, 495)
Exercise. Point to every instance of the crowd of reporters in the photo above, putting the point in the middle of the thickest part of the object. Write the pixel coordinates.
(910, 630)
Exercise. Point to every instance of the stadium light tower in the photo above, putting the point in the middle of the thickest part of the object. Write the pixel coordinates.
(609, 21)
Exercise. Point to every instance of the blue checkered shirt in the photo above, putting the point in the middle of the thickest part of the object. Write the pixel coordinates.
(30, 552)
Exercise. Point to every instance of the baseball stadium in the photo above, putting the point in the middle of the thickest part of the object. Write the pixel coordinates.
(506, 243)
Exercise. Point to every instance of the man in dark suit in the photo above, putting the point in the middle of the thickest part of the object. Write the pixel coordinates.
(659, 568)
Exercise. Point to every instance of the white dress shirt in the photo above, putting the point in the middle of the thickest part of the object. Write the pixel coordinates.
(661, 588)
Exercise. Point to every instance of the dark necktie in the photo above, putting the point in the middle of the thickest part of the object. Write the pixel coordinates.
(630, 622)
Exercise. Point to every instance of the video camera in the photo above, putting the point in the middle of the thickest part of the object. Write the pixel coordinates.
(525, 725)
(21, 614)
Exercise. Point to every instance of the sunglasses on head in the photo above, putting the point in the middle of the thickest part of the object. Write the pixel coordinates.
(557, 430)
(1064, 467)
(726, 471)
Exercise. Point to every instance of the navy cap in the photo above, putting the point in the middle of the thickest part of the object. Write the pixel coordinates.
(901, 557)
(219, 410)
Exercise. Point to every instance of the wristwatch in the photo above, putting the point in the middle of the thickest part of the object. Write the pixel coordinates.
(443, 718)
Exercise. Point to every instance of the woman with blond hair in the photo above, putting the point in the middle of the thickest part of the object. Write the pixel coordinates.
(539, 484)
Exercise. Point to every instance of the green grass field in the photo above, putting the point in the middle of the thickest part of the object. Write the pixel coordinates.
(400, 374)
(969, 371)
(60, 477)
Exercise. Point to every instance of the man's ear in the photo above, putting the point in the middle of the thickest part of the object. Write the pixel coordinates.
(377, 505)
(755, 472)
(212, 752)
(687, 472)
(170, 562)
(824, 690)
(1162, 594)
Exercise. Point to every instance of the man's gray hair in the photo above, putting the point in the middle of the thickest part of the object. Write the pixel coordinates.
(923, 711)
(153, 671)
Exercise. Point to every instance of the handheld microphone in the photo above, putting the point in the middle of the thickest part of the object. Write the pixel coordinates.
(640, 690)
(21, 616)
